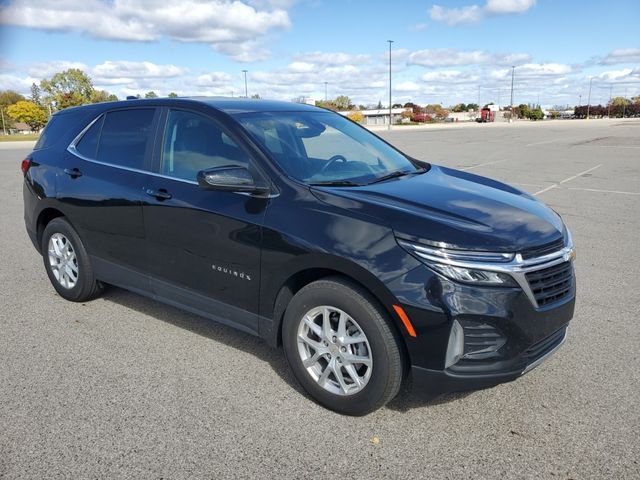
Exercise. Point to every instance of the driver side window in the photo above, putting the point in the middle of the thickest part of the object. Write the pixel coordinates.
(193, 142)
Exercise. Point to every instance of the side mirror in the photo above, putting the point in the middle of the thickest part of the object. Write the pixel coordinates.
(231, 178)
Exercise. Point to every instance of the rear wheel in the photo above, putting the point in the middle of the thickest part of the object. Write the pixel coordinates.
(67, 263)
(341, 348)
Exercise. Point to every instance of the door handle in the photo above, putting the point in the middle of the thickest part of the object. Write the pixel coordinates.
(160, 194)
(73, 172)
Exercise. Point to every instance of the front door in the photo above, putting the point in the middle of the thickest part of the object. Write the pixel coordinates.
(203, 245)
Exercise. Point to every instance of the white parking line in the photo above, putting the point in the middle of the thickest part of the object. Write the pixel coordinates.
(573, 177)
(485, 164)
(603, 191)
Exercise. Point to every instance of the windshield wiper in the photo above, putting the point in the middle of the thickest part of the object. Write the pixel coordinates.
(396, 174)
(336, 183)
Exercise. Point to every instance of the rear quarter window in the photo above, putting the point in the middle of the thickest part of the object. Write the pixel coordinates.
(61, 126)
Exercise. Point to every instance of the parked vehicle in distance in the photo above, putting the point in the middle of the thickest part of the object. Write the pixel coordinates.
(486, 115)
(295, 224)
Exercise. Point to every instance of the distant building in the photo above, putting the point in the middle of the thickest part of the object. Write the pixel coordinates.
(379, 116)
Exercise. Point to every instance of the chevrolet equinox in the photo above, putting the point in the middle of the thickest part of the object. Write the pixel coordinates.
(295, 224)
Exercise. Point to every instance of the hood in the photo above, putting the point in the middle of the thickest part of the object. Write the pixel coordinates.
(458, 208)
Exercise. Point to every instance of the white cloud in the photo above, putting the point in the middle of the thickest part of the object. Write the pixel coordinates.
(475, 13)
(508, 6)
(231, 27)
(418, 27)
(122, 68)
(443, 57)
(455, 16)
(333, 58)
(48, 69)
(407, 86)
(622, 55)
(626, 75)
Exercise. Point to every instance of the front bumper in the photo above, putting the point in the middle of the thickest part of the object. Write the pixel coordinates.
(523, 335)
(448, 380)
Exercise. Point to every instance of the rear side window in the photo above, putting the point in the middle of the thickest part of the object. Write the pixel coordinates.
(124, 137)
(88, 144)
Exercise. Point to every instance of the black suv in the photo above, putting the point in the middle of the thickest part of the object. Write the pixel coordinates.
(295, 224)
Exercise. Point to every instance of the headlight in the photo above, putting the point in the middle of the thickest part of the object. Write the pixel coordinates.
(463, 265)
(478, 277)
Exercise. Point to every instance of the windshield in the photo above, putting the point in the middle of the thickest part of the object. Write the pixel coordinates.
(325, 148)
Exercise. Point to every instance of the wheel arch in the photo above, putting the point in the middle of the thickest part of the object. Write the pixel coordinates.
(44, 217)
(329, 266)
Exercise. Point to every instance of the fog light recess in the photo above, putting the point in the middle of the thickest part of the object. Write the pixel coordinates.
(455, 348)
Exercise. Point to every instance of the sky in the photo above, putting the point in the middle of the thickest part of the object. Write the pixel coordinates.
(443, 52)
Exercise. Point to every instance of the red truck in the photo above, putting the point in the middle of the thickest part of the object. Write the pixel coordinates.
(486, 115)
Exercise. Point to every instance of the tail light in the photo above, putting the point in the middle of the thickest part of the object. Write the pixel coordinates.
(24, 166)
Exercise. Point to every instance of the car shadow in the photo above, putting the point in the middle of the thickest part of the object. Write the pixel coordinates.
(405, 400)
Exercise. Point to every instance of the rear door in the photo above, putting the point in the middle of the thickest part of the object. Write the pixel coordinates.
(101, 189)
(203, 245)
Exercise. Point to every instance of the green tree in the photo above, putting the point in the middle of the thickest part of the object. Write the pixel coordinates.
(151, 94)
(256, 96)
(460, 107)
(8, 97)
(36, 94)
(473, 106)
(523, 111)
(99, 96)
(173, 95)
(70, 88)
(28, 112)
(536, 114)
(344, 103)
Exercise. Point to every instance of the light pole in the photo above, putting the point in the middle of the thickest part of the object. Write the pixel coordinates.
(478, 97)
(513, 72)
(579, 99)
(589, 99)
(624, 104)
(246, 94)
(610, 95)
(390, 115)
(325, 91)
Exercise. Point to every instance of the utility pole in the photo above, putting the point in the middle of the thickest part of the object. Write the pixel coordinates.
(589, 99)
(390, 114)
(624, 104)
(513, 72)
(325, 91)
(610, 96)
(4, 128)
(478, 97)
(246, 94)
(580, 100)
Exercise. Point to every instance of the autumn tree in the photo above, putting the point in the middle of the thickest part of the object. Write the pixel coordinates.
(28, 112)
(356, 116)
(70, 88)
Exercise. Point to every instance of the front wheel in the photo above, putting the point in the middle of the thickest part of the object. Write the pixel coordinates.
(341, 348)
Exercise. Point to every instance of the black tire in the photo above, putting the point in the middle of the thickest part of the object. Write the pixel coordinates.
(387, 370)
(86, 286)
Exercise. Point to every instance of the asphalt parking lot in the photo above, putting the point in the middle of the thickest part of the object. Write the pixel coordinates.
(126, 387)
